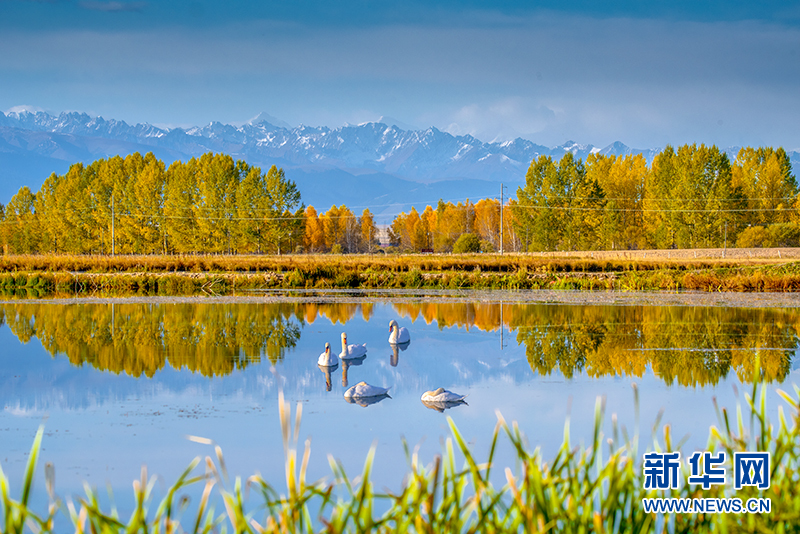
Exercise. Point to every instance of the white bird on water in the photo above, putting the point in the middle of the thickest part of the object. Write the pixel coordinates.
(440, 399)
(362, 389)
(442, 395)
(352, 351)
(398, 334)
(327, 358)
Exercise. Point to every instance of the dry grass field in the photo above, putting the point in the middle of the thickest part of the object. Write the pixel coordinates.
(572, 261)
(762, 270)
(732, 255)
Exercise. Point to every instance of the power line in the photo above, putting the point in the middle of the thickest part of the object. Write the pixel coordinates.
(647, 210)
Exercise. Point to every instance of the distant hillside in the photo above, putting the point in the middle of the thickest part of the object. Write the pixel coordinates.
(372, 164)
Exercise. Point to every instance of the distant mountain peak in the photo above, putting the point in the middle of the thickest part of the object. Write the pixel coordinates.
(391, 121)
(265, 117)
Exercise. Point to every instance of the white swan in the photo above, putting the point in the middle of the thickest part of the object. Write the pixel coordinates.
(352, 351)
(362, 389)
(327, 358)
(441, 395)
(398, 334)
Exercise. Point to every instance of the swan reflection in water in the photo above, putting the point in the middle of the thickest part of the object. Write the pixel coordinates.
(394, 358)
(366, 401)
(441, 406)
(346, 363)
(328, 369)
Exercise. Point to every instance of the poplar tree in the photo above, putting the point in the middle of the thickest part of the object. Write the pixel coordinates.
(22, 224)
(104, 191)
(314, 234)
(217, 179)
(765, 178)
(661, 221)
(332, 227)
(252, 210)
(429, 219)
(351, 235)
(369, 231)
(146, 219)
(487, 221)
(181, 193)
(622, 181)
(534, 213)
(283, 199)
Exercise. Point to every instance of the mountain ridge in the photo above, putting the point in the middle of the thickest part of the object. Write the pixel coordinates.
(401, 160)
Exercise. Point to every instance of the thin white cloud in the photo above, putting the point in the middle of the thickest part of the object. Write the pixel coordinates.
(501, 120)
(23, 108)
(547, 77)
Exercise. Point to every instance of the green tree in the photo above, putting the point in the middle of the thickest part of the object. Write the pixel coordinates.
(142, 203)
(22, 224)
(284, 209)
(622, 181)
(551, 210)
(661, 220)
(765, 178)
(252, 206)
(467, 243)
(180, 196)
(217, 180)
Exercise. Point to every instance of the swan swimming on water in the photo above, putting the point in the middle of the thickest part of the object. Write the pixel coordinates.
(327, 358)
(442, 395)
(398, 334)
(362, 389)
(352, 351)
(440, 399)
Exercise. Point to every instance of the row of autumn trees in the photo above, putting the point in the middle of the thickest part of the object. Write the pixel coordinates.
(210, 204)
(690, 197)
(136, 205)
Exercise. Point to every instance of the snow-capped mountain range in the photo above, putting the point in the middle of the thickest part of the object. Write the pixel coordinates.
(374, 164)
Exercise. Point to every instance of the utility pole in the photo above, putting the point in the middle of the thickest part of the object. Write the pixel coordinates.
(113, 248)
(724, 250)
(501, 224)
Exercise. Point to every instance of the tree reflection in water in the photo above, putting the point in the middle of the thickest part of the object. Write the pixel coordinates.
(690, 346)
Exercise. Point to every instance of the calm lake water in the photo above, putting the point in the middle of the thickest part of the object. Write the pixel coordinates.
(122, 384)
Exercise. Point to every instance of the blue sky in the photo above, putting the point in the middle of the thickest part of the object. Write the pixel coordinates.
(644, 73)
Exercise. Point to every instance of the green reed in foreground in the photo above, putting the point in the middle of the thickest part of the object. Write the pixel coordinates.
(582, 489)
